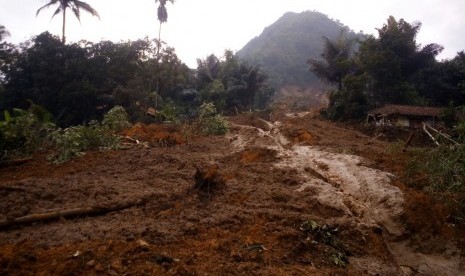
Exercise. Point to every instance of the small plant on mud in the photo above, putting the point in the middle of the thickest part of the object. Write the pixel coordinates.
(209, 122)
(327, 235)
(116, 119)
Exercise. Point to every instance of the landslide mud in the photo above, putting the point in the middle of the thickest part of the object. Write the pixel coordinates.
(278, 175)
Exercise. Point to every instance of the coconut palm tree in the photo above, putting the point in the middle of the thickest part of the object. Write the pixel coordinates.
(162, 15)
(74, 5)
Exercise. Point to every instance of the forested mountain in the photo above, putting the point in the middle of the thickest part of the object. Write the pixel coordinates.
(285, 46)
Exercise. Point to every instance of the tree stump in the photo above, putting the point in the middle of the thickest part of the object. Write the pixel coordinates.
(208, 180)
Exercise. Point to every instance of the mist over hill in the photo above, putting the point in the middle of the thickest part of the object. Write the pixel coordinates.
(283, 48)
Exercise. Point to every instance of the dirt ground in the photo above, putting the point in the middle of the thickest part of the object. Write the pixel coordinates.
(289, 195)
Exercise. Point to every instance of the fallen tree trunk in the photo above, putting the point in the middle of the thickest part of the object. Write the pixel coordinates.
(15, 162)
(409, 140)
(69, 213)
(430, 135)
(373, 139)
(12, 188)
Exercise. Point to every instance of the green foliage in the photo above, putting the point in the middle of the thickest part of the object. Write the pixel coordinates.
(73, 141)
(232, 84)
(336, 65)
(327, 235)
(460, 131)
(392, 60)
(442, 171)
(22, 133)
(169, 113)
(75, 5)
(76, 82)
(116, 119)
(209, 122)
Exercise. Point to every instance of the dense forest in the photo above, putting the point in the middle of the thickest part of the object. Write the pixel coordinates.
(78, 82)
(391, 68)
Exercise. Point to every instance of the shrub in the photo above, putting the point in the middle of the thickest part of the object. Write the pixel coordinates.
(116, 119)
(442, 172)
(73, 141)
(209, 122)
(22, 133)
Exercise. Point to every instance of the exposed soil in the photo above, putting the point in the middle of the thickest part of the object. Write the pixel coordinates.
(279, 195)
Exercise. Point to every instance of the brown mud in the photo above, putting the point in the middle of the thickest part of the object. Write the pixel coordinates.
(276, 177)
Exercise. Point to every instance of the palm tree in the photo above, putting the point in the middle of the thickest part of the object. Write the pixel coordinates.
(336, 64)
(3, 32)
(74, 5)
(162, 15)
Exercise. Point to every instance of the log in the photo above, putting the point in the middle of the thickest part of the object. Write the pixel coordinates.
(374, 138)
(69, 213)
(430, 135)
(137, 142)
(16, 162)
(12, 188)
(409, 140)
(443, 135)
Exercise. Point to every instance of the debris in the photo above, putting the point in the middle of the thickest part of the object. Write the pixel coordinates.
(142, 243)
(256, 246)
(161, 259)
(373, 139)
(15, 162)
(409, 140)
(208, 179)
(430, 135)
(84, 211)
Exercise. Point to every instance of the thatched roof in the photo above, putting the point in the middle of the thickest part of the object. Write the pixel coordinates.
(408, 110)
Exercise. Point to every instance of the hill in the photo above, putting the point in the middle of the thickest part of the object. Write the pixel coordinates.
(284, 47)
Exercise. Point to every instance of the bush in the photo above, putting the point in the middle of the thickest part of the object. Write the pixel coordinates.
(22, 133)
(209, 122)
(442, 173)
(116, 119)
(73, 141)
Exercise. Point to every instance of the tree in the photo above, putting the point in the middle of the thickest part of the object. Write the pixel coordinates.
(392, 60)
(162, 15)
(5, 51)
(336, 60)
(74, 5)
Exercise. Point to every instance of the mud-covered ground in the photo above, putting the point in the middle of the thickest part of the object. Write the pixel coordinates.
(292, 195)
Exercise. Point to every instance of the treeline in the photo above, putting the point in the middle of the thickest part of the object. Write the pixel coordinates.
(79, 82)
(389, 69)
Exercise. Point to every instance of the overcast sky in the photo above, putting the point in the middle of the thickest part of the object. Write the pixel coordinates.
(197, 28)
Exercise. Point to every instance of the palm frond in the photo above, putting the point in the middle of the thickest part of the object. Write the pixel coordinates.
(76, 12)
(52, 2)
(88, 8)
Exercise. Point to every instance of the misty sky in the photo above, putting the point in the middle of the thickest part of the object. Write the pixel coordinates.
(197, 28)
